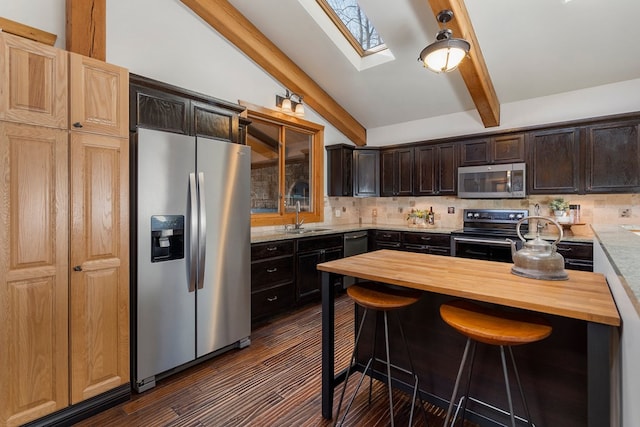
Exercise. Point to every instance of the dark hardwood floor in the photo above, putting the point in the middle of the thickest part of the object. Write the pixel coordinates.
(273, 382)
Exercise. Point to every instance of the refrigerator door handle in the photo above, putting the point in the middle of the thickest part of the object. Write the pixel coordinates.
(193, 228)
(202, 238)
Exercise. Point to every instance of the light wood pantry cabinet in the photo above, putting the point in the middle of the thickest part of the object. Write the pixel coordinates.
(64, 228)
(99, 284)
(33, 83)
(99, 97)
(34, 273)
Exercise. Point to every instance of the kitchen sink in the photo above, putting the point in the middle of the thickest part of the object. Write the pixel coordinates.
(305, 230)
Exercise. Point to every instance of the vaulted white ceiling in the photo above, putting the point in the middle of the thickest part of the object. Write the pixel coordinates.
(532, 48)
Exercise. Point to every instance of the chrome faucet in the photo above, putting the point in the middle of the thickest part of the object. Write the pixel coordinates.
(299, 222)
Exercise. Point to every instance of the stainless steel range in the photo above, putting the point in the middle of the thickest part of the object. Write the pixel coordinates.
(485, 234)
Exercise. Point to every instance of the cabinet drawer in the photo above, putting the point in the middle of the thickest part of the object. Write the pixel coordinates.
(271, 249)
(387, 236)
(269, 272)
(271, 301)
(431, 239)
(576, 250)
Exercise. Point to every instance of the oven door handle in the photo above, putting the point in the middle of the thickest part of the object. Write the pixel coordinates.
(505, 242)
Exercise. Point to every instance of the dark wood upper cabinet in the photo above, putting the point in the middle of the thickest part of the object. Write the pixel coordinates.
(508, 148)
(493, 150)
(396, 172)
(340, 170)
(161, 106)
(612, 158)
(435, 169)
(366, 172)
(553, 166)
(217, 123)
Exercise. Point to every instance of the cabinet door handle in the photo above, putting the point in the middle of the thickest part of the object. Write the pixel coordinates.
(425, 238)
(563, 249)
(272, 248)
(273, 298)
(77, 125)
(272, 270)
(77, 268)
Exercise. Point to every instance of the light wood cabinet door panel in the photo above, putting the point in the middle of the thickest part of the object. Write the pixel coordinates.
(99, 97)
(33, 82)
(34, 257)
(99, 324)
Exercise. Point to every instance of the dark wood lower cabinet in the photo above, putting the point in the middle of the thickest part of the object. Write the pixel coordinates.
(311, 252)
(577, 255)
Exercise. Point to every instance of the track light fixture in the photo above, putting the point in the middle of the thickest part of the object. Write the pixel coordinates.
(446, 53)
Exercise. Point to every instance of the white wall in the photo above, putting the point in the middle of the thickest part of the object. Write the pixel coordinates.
(598, 101)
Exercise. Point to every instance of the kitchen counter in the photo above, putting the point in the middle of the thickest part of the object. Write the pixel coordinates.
(319, 230)
(622, 247)
(260, 236)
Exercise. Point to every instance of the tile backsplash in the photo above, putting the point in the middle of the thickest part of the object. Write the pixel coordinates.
(594, 209)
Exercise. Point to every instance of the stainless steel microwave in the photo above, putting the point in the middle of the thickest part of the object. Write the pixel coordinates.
(492, 181)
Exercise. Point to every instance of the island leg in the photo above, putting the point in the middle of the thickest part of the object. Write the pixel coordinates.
(599, 339)
(328, 343)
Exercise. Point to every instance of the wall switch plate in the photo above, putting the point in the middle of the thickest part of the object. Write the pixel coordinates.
(338, 213)
(451, 210)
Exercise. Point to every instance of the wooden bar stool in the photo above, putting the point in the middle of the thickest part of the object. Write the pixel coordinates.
(494, 327)
(381, 298)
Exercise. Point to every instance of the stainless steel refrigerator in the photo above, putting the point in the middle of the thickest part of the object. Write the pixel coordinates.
(193, 295)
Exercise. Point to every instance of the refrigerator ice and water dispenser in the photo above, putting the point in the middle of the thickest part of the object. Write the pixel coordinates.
(167, 237)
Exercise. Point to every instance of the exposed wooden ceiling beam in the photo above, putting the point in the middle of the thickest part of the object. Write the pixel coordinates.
(473, 69)
(31, 33)
(87, 28)
(232, 25)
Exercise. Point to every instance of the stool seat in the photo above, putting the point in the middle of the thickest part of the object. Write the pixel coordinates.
(377, 296)
(493, 326)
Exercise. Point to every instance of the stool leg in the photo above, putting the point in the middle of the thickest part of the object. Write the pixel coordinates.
(351, 364)
(413, 373)
(373, 352)
(524, 400)
(465, 396)
(506, 383)
(457, 383)
(386, 343)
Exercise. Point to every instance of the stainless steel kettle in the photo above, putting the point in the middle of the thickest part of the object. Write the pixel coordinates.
(538, 258)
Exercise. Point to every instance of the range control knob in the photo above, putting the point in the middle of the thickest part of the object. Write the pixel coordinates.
(512, 216)
(469, 214)
(519, 216)
(476, 215)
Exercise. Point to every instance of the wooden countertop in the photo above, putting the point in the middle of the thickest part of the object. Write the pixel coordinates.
(585, 296)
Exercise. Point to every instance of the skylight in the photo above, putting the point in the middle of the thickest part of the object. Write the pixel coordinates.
(354, 25)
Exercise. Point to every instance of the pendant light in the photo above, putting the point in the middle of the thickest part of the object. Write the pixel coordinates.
(446, 53)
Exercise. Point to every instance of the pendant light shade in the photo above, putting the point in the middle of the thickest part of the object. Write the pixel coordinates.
(446, 53)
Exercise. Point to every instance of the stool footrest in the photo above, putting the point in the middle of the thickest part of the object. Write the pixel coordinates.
(490, 406)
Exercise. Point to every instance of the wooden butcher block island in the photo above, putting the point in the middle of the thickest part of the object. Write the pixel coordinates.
(567, 374)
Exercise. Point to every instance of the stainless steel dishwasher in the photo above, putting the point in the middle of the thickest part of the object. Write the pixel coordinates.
(355, 243)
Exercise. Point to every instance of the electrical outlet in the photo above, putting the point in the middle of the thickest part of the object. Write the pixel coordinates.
(338, 213)
(374, 213)
(624, 212)
(451, 210)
